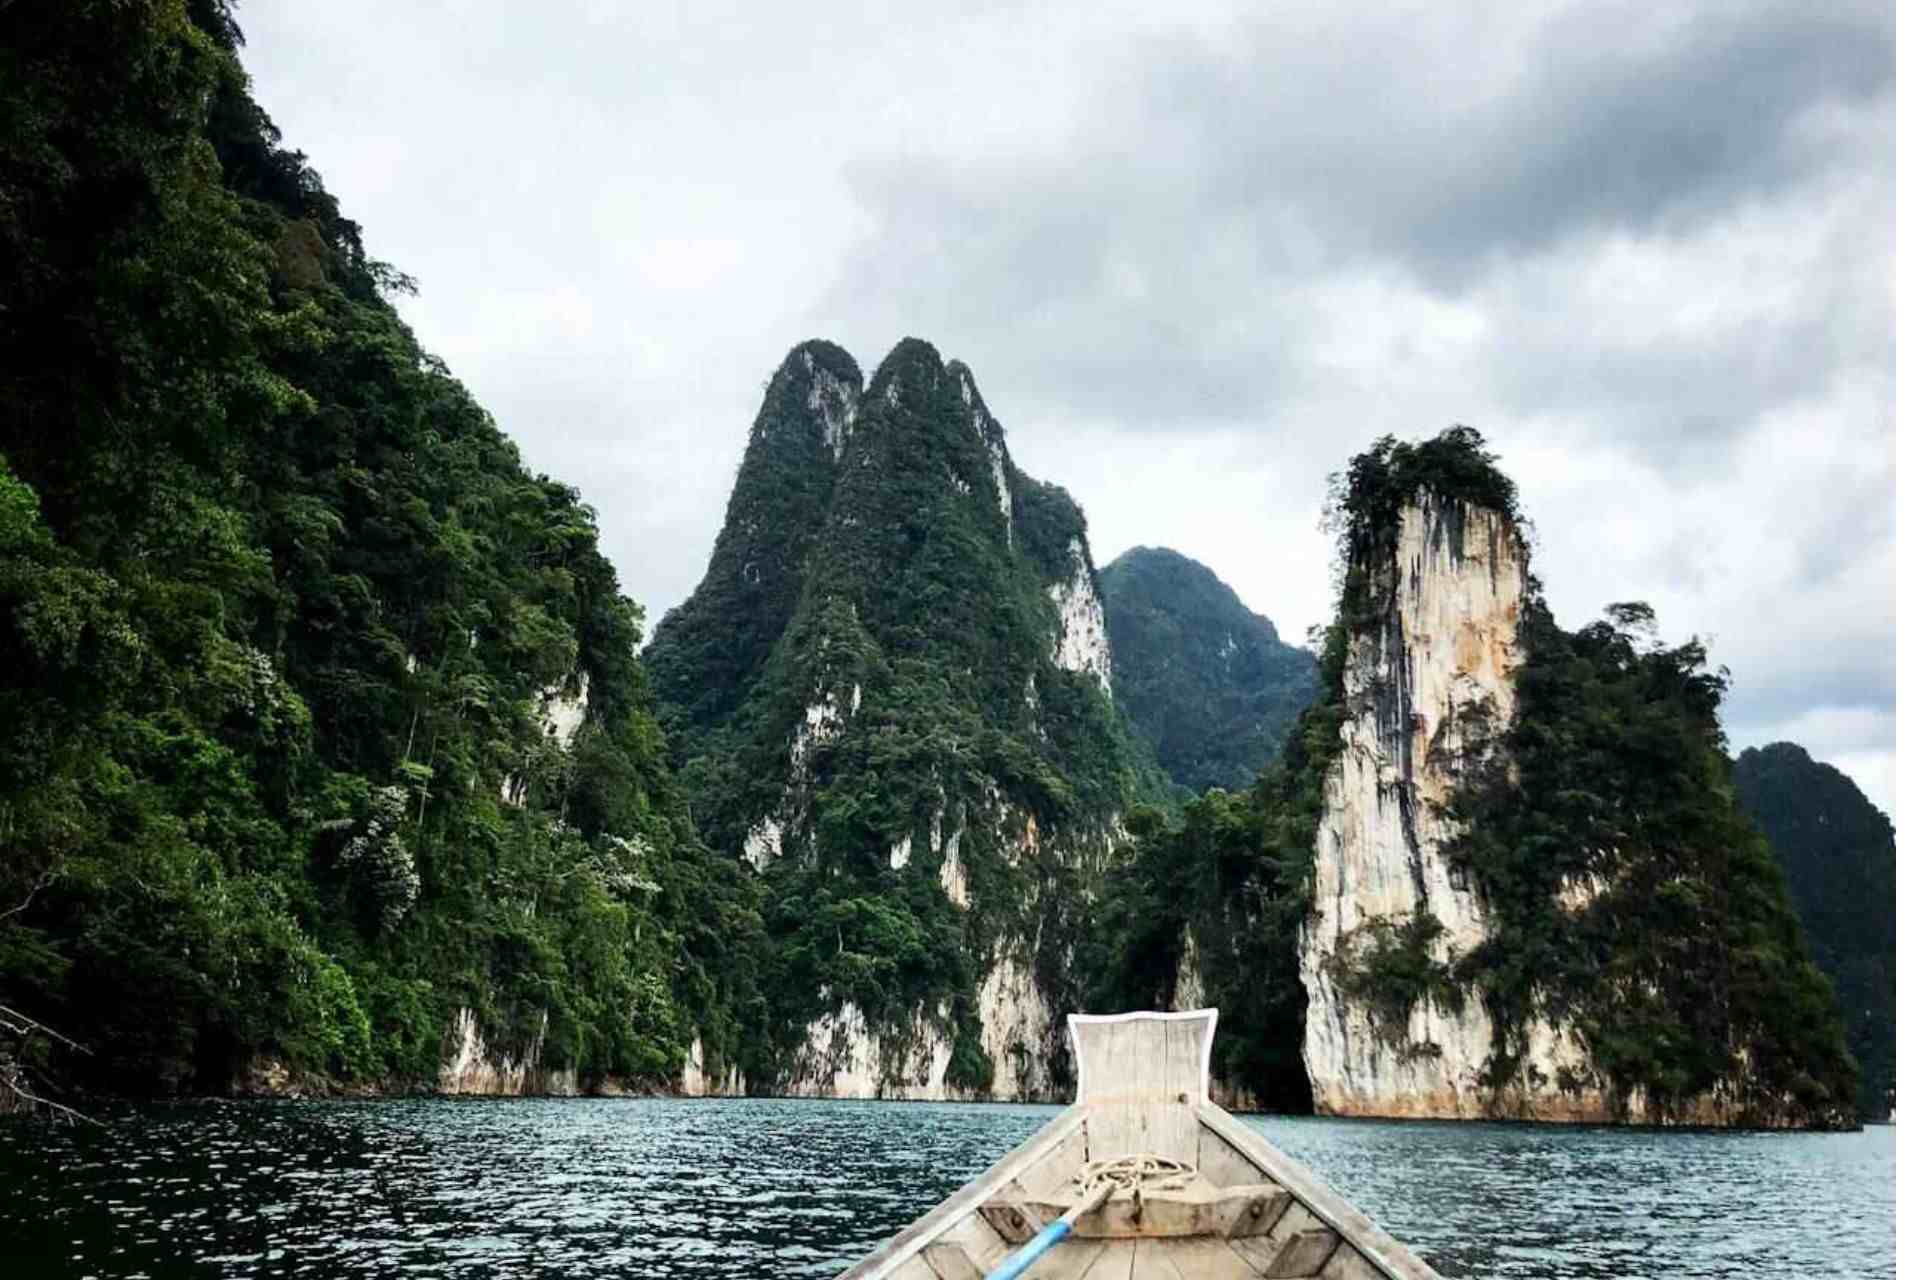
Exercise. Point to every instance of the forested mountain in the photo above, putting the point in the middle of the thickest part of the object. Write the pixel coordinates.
(321, 726)
(1498, 869)
(1836, 850)
(889, 693)
(1204, 679)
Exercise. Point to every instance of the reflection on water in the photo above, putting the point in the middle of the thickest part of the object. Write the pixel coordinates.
(620, 1187)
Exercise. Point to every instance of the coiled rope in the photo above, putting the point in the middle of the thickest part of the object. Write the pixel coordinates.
(1100, 1180)
(1132, 1174)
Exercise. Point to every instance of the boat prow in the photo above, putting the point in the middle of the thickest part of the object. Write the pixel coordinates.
(1152, 1180)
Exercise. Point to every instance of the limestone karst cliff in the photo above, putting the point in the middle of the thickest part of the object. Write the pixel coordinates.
(1428, 675)
(1497, 870)
(1532, 894)
(892, 697)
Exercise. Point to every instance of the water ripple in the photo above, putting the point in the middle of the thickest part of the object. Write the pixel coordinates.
(627, 1187)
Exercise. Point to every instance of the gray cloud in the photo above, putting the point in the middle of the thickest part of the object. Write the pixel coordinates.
(1197, 256)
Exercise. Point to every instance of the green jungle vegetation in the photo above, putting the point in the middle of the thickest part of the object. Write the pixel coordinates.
(1688, 971)
(1836, 850)
(1205, 680)
(279, 609)
(886, 574)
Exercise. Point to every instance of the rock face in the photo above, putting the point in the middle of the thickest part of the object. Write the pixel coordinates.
(1431, 678)
(894, 683)
(1083, 644)
(471, 1066)
(844, 1057)
(695, 1082)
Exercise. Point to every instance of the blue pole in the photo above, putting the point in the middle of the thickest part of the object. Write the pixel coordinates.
(1052, 1234)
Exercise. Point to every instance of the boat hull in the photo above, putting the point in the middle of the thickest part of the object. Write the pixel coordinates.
(1240, 1209)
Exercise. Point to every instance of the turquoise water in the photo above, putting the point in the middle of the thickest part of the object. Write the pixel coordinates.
(615, 1187)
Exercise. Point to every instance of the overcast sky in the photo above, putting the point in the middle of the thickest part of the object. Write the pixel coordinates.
(1197, 255)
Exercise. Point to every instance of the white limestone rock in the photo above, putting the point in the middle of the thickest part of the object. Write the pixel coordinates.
(834, 404)
(695, 1082)
(1449, 642)
(842, 1057)
(1083, 644)
(819, 724)
(472, 1066)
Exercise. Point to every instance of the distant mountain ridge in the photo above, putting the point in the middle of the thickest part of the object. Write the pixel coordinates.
(1206, 681)
(1836, 849)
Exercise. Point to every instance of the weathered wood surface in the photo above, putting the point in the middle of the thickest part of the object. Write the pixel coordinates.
(1197, 1209)
(1383, 1255)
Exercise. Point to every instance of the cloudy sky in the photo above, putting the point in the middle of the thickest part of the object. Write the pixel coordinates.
(1197, 255)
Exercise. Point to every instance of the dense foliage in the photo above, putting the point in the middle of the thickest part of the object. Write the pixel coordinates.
(1204, 679)
(1212, 900)
(1837, 853)
(1629, 893)
(906, 727)
(279, 612)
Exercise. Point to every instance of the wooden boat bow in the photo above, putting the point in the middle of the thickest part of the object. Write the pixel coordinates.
(1197, 1194)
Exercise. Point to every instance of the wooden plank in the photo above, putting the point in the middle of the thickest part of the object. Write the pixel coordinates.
(1189, 1041)
(1122, 1055)
(950, 1262)
(1300, 1254)
(1258, 1251)
(1173, 1216)
(1068, 1260)
(1009, 1220)
(980, 1241)
(1223, 1166)
(1205, 1258)
(1150, 1262)
(1115, 1262)
(1052, 1172)
(914, 1268)
(1388, 1256)
(1347, 1264)
(1250, 1210)
(1169, 1129)
(1293, 1220)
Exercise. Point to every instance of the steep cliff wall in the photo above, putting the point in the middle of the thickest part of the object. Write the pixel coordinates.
(1434, 669)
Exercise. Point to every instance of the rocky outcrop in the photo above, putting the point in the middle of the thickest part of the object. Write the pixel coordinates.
(697, 1081)
(472, 1066)
(844, 1057)
(1083, 644)
(1427, 683)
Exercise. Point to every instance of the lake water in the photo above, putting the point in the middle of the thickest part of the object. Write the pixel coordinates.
(615, 1187)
